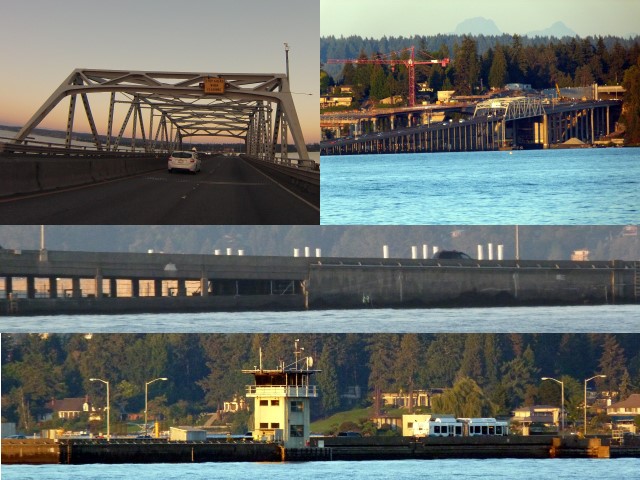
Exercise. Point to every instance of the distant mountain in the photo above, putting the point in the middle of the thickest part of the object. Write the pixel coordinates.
(477, 26)
(557, 30)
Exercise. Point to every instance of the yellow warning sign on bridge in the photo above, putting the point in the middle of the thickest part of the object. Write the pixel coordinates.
(213, 85)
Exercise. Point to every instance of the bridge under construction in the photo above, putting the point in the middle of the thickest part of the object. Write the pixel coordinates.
(504, 123)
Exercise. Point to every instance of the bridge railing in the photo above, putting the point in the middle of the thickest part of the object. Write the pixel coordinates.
(51, 149)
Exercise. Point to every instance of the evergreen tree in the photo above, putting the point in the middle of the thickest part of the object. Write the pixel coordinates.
(498, 72)
(382, 349)
(407, 364)
(612, 362)
(379, 84)
(631, 112)
(517, 375)
(467, 66)
(328, 379)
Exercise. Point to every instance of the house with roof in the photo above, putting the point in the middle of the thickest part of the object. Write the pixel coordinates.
(69, 409)
(624, 413)
(536, 418)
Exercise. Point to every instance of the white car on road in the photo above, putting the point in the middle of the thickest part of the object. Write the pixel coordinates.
(184, 160)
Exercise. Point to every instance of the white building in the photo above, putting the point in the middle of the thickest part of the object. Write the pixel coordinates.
(282, 398)
(187, 434)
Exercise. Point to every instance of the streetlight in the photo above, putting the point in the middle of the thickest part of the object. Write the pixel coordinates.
(585, 400)
(146, 394)
(562, 394)
(108, 407)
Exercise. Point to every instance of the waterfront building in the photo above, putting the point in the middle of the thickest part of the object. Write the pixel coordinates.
(282, 401)
(624, 413)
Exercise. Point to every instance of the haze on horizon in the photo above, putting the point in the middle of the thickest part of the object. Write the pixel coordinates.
(378, 18)
(42, 42)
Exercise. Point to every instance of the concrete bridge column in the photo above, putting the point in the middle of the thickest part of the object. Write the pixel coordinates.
(182, 288)
(8, 286)
(374, 125)
(392, 119)
(157, 287)
(98, 280)
(53, 287)
(410, 120)
(76, 292)
(545, 131)
(31, 287)
(135, 287)
(113, 287)
(204, 285)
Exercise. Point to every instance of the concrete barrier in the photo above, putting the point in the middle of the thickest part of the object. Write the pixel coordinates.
(62, 173)
(28, 174)
(19, 176)
(105, 169)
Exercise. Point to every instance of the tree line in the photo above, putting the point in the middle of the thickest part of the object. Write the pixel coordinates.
(482, 374)
(479, 63)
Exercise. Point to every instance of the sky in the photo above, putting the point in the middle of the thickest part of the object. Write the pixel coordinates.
(377, 18)
(43, 41)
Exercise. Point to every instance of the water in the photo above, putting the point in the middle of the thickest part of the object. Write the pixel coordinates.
(559, 469)
(596, 186)
(581, 319)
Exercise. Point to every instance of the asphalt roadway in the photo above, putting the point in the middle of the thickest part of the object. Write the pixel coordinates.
(227, 191)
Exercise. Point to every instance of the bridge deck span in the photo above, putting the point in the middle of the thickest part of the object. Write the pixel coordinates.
(139, 190)
(82, 281)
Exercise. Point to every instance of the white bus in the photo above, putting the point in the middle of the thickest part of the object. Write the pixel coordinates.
(459, 427)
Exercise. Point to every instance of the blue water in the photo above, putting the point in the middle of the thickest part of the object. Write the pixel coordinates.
(581, 319)
(595, 186)
(558, 469)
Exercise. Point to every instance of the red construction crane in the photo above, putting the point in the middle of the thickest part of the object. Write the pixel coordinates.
(410, 63)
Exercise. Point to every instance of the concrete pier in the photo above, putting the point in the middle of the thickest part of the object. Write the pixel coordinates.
(74, 451)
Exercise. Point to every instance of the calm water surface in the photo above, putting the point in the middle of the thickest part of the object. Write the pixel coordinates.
(594, 186)
(559, 469)
(581, 319)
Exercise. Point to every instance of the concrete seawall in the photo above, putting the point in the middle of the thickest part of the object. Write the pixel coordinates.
(36, 451)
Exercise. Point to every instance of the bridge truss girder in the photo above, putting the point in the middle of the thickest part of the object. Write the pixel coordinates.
(511, 108)
(182, 109)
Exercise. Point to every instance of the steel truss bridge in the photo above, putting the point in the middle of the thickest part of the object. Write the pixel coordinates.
(163, 108)
(511, 108)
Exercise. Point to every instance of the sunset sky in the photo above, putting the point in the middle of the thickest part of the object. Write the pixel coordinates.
(43, 41)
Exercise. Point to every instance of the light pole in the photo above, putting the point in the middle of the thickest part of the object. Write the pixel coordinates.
(562, 405)
(585, 400)
(146, 395)
(286, 52)
(108, 406)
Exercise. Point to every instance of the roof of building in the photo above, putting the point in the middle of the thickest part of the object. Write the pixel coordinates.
(633, 401)
(68, 404)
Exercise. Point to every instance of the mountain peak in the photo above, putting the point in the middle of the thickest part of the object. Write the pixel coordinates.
(477, 26)
(558, 30)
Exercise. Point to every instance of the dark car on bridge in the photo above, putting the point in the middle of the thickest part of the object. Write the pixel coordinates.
(451, 255)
